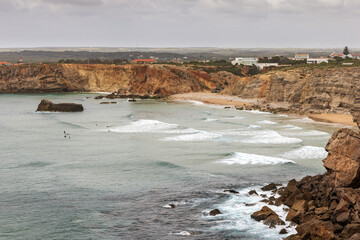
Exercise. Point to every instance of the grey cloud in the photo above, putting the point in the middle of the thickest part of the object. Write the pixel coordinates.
(225, 23)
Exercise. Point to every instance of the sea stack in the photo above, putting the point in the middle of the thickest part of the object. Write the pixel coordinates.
(48, 106)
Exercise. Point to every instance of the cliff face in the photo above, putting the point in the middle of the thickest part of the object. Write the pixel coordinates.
(162, 80)
(305, 90)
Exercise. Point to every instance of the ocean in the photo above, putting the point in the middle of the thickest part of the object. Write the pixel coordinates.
(114, 171)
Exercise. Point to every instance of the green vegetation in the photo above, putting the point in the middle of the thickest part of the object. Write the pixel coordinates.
(346, 51)
(281, 60)
(116, 61)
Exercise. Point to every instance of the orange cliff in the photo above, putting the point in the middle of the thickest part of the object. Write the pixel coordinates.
(161, 80)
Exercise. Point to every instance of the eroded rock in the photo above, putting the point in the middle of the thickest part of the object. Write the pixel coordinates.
(48, 106)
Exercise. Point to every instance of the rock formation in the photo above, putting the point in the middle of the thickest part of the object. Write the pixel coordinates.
(48, 106)
(355, 111)
(303, 90)
(327, 206)
(151, 80)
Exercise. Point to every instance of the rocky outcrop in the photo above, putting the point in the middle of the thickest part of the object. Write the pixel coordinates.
(343, 160)
(303, 90)
(151, 80)
(355, 111)
(328, 206)
(48, 106)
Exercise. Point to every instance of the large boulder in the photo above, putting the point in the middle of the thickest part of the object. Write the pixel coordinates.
(48, 106)
(343, 160)
(269, 216)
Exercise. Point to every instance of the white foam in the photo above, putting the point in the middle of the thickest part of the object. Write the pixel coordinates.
(306, 152)
(290, 127)
(307, 133)
(236, 216)
(267, 122)
(146, 126)
(182, 233)
(268, 137)
(210, 120)
(254, 126)
(253, 159)
(195, 102)
(195, 137)
(256, 112)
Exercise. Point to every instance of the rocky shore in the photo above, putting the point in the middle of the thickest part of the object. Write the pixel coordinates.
(325, 206)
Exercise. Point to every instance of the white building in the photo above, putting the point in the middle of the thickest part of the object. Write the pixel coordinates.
(356, 56)
(301, 56)
(261, 66)
(317, 60)
(244, 61)
(334, 55)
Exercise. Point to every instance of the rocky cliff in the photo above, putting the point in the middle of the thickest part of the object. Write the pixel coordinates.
(305, 90)
(302, 90)
(325, 206)
(162, 80)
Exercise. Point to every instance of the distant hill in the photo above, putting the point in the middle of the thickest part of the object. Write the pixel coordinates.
(163, 54)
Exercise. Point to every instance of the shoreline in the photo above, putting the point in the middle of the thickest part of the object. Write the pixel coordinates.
(229, 100)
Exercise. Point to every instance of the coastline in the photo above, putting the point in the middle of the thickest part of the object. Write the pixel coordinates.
(229, 100)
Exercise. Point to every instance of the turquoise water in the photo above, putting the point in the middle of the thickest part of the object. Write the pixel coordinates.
(121, 164)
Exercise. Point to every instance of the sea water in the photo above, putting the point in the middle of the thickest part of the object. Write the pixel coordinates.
(115, 171)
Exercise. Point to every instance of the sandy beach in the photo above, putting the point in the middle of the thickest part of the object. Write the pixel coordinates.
(229, 100)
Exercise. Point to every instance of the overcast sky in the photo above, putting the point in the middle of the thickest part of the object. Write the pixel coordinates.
(179, 23)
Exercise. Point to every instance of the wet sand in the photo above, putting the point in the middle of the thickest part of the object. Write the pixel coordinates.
(229, 100)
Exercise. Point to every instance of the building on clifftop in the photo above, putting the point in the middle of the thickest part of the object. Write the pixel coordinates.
(301, 56)
(144, 61)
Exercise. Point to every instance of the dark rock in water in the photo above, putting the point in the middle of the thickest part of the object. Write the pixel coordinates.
(108, 103)
(283, 231)
(48, 106)
(271, 186)
(131, 100)
(252, 192)
(231, 191)
(227, 107)
(215, 212)
(263, 214)
(172, 205)
(129, 96)
(250, 204)
(269, 216)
